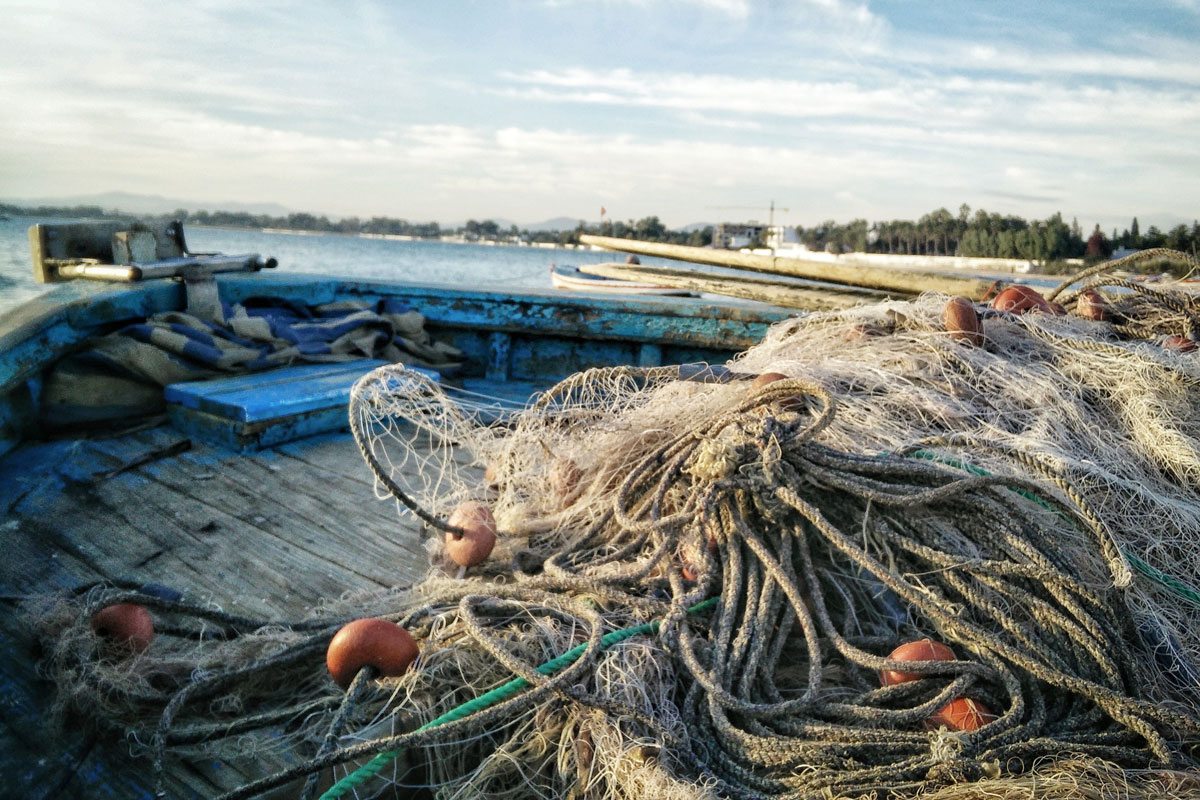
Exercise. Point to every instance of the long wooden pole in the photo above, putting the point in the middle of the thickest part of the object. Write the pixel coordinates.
(764, 290)
(894, 280)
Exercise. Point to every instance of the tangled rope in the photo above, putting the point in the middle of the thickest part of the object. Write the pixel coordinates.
(885, 489)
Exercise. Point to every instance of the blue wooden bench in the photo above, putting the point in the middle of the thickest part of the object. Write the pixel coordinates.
(264, 409)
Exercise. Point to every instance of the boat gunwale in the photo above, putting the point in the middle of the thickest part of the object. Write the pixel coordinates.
(85, 307)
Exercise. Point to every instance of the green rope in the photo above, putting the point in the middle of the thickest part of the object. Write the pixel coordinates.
(1161, 578)
(1179, 587)
(381, 760)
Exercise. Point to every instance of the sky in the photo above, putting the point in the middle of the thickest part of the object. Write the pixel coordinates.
(692, 110)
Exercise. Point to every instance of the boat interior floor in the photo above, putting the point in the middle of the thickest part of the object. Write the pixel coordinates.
(263, 533)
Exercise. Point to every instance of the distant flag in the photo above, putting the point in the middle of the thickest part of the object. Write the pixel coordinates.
(603, 211)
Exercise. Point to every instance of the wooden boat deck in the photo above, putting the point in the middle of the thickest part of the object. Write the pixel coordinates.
(267, 533)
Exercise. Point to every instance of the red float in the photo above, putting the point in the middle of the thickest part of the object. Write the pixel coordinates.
(478, 537)
(766, 379)
(125, 624)
(923, 650)
(491, 476)
(369, 642)
(962, 321)
(963, 714)
(1092, 305)
(860, 331)
(1021, 299)
(565, 476)
(1180, 344)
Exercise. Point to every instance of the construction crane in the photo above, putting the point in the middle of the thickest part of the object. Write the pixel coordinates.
(770, 219)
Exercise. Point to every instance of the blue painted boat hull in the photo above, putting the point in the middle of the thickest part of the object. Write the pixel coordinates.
(530, 336)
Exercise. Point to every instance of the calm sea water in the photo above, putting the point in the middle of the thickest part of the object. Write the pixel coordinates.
(465, 265)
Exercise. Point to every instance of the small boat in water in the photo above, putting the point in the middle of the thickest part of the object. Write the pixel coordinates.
(577, 279)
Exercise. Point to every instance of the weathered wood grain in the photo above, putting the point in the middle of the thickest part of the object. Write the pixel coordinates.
(895, 280)
(270, 533)
(766, 290)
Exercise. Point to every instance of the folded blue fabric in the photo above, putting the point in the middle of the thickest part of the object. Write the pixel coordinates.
(121, 374)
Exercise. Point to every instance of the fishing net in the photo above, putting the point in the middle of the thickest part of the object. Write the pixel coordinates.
(701, 573)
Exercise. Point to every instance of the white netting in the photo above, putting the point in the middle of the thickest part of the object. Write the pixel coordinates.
(1031, 503)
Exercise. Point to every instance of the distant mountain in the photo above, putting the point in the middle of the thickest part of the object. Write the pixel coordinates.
(132, 203)
(569, 223)
(501, 222)
(556, 224)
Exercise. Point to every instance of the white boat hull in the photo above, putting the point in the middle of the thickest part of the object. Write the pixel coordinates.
(571, 279)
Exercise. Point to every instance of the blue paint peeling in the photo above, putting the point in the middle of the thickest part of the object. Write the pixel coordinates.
(549, 335)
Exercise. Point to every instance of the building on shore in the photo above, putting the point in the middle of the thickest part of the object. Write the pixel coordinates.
(736, 235)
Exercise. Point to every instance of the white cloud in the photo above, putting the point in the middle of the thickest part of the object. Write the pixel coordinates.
(313, 109)
(734, 8)
(738, 9)
(857, 13)
(959, 105)
(1164, 60)
(720, 93)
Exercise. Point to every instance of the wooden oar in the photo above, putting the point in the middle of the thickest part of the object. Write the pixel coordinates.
(894, 280)
(764, 290)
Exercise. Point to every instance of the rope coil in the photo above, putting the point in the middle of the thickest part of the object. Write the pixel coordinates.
(1003, 520)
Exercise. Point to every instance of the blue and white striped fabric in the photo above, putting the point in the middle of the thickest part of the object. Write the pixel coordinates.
(122, 374)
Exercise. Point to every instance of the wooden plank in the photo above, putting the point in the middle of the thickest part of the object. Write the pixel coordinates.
(330, 454)
(736, 277)
(52, 541)
(276, 393)
(38, 759)
(335, 520)
(896, 280)
(267, 380)
(160, 523)
(250, 436)
(340, 524)
(270, 534)
(764, 290)
(261, 410)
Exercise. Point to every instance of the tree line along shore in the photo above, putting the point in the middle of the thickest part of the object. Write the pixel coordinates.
(1048, 243)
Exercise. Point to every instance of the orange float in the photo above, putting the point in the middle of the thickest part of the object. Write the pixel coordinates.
(1180, 344)
(125, 624)
(963, 714)
(492, 477)
(1091, 304)
(1021, 299)
(478, 535)
(922, 650)
(689, 567)
(860, 331)
(369, 642)
(766, 379)
(962, 321)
